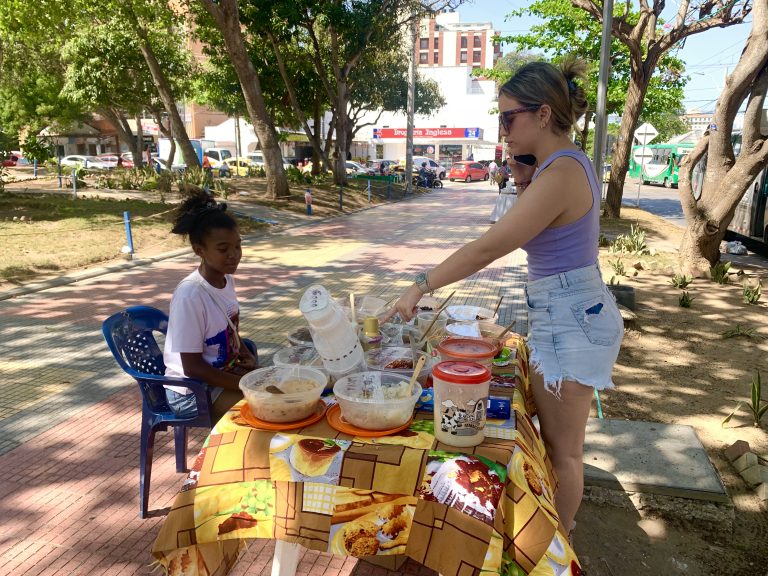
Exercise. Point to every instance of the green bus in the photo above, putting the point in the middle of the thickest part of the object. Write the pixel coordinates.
(663, 166)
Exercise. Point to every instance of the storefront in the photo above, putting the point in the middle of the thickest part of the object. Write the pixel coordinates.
(445, 145)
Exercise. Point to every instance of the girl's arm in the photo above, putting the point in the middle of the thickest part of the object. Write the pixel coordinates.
(197, 368)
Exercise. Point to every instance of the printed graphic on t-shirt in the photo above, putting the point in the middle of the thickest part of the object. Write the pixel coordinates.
(226, 343)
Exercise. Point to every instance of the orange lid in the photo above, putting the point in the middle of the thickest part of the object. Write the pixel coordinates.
(466, 348)
(461, 372)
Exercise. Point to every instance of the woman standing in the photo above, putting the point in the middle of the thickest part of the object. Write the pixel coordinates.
(575, 328)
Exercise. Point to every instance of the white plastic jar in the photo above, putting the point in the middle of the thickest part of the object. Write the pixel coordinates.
(461, 400)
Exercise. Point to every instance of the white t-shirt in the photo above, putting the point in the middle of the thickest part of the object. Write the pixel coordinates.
(196, 323)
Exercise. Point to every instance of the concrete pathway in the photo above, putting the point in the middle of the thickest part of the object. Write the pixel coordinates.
(69, 417)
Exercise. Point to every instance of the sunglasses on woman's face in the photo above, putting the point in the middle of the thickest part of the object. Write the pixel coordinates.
(506, 117)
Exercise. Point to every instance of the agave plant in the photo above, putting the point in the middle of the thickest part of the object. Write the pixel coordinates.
(757, 406)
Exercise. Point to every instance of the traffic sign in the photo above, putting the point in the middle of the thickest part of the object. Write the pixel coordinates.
(642, 155)
(645, 134)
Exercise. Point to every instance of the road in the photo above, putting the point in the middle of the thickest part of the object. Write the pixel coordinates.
(658, 200)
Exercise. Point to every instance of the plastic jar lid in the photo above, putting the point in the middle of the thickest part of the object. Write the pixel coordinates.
(466, 348)
(461, 372)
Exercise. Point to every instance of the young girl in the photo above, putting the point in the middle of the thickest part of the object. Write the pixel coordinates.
(202, 340)
(574, 325)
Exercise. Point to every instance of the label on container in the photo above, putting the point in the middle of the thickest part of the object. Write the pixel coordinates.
(463, 419)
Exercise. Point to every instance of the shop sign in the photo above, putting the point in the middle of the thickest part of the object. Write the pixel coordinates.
(400, 133)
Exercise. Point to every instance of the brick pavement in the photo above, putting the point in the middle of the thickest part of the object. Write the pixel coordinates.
(69, 418)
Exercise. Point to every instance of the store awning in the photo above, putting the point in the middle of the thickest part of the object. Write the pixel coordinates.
(429, 134)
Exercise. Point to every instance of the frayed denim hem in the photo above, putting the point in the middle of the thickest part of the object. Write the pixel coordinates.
(553, 382)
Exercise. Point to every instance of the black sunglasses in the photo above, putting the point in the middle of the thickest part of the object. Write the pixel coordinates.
(506, 117)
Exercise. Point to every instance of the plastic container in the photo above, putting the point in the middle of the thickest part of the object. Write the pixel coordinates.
(477, 329)
(477, 350)
(396, 359)
(376, 400)
(470, 313)
(460, 402)
(302, 355)
(301, 337)
(302, 386)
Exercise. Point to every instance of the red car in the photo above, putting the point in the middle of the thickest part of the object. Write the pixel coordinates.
(468, 171)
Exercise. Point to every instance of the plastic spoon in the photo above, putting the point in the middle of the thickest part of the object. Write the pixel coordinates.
(352, 306)
(273, 389)
(416, 369)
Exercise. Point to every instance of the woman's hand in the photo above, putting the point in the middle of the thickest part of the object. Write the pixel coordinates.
(406, 305)
(521, 172)
(245, 359)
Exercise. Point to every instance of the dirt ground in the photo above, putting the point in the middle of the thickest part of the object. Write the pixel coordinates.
(675, 366)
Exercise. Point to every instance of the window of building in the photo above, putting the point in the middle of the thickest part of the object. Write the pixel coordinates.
(436, 58)
(476, 56)
(463, 58)
(476, 42)
(437, 43)
(463, 41)
(423, 58)
(424, 43)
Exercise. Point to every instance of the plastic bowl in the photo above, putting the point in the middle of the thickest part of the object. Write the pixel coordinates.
(478, 329)
(374, 401)
(464, 313)
(478, 350)
(302, 355)
(301, 337)
(303, 386)
(395, 359)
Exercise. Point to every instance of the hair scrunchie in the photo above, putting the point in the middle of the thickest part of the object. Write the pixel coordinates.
(571, 86)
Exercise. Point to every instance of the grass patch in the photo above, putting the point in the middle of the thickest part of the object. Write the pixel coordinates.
(60, 233)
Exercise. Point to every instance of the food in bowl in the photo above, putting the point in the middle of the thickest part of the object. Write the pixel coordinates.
(304, 355)
(283, 393)
(394, 359)
(376, 400)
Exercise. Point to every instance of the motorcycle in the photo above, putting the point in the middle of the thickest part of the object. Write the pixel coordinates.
(428, 180)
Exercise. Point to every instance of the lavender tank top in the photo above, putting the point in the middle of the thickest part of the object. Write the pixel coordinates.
(573, 245)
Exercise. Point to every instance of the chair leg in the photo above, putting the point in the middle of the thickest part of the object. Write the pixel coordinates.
(180, 440)
(286, 558)
(145, 466)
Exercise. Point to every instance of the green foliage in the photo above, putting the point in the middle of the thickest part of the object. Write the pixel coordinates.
(685, 299)
(602, 241)
(38, 148)
(751, 294)
(719, 272)
(756, 405)
(506, 66)
(681, 281)
(740, 332)
(614, 281)
(633, 243)
(618, 267)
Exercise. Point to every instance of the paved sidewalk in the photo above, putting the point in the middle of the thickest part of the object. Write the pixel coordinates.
(69, 418)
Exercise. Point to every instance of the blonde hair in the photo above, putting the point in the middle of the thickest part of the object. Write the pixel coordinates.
(539, 83)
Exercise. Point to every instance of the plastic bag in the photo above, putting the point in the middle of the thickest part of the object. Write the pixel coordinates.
(735, 247)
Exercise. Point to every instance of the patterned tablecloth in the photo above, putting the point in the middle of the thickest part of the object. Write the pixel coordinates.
(477, 511)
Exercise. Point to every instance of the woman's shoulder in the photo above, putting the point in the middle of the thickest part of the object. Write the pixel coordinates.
(189, 286)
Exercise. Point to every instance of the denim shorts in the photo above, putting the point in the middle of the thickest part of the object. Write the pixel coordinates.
(574, 328)
(185, 405)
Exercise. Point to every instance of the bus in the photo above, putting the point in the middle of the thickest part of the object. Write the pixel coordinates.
(664, 165)
(750, 218)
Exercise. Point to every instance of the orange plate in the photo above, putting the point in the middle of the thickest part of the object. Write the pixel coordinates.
(245, 412)
(336, 420)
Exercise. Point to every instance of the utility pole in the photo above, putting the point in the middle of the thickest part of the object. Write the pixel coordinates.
(601, 119)
(411, 104)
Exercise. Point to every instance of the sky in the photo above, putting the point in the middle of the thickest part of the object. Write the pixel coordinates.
(708, 56)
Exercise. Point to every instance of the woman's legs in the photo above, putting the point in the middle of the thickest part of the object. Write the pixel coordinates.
(563, 424)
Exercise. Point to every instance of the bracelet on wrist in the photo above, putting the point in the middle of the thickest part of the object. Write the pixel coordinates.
(422, 282)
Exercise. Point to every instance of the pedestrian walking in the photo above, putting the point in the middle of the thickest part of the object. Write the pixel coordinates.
(492, 169)
(574, 325)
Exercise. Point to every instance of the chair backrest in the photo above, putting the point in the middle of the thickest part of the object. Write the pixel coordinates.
(130, 337)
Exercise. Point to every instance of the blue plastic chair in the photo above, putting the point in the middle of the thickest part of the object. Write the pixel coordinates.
(130, 337)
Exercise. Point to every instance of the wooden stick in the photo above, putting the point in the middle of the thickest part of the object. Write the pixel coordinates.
(498, 304)
(507, 329)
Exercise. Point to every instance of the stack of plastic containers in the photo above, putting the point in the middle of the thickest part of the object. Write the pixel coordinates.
(334, 336)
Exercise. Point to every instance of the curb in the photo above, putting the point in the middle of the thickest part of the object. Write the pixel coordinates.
(93, 273)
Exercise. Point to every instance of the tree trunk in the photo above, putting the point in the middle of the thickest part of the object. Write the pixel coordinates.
(124, 132)
(585, 132)
(700, 247)
(167, 133)
(225, 14)
(342, 120)
(620, 160)
(166, 95)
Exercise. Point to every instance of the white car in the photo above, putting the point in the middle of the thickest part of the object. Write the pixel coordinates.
(357, 168)
(438, 169)
(84, 161)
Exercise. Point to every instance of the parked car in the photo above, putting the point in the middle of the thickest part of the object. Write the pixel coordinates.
(241, 165)
(111, 161)
(376, 166)
(83, 160)
(355, 168)
(468, 171)
(9, 161)
(431, 164)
